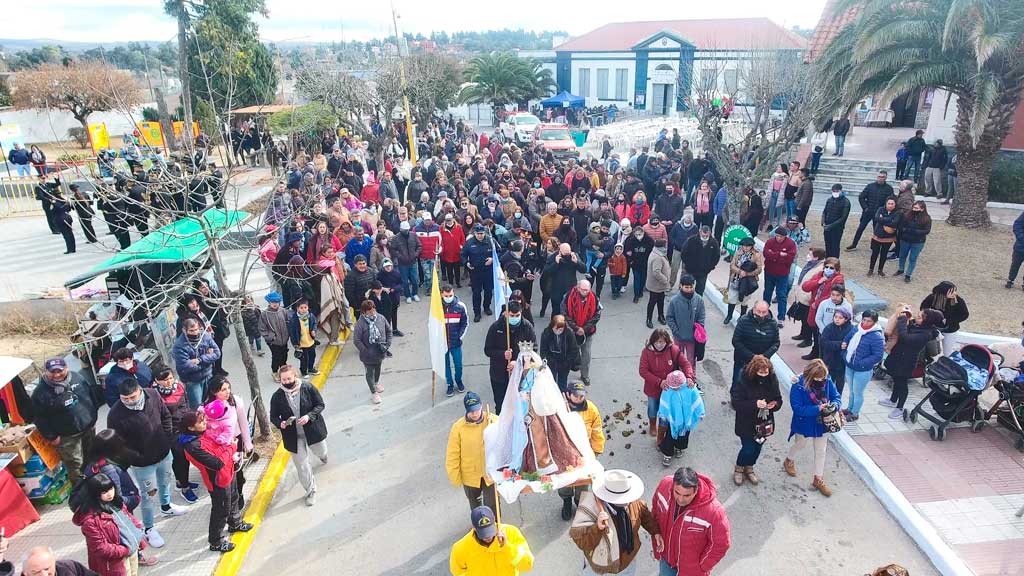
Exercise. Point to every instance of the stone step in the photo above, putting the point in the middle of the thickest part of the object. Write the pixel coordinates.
(856, 161)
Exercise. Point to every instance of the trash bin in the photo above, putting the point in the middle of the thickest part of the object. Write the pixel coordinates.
(580, 138)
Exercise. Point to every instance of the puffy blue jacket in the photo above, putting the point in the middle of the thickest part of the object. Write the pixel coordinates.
(118, 375)
(718, 206)
(355, 248)
(806, 411)
(294, 330)
(869, 352)
(456, 322)
(184, 353)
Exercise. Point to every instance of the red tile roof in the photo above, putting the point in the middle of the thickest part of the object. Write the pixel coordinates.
(829, 26)
(707, 34)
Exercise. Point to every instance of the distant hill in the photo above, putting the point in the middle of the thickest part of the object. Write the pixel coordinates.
(11, 45)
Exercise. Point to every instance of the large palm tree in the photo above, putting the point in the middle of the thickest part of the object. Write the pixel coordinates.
(503, 78)
(972, 49)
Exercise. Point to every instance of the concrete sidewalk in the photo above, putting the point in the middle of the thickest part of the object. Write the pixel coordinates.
(959, 495)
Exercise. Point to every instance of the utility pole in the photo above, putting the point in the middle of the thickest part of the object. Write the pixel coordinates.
(186, 84)
(405, 92)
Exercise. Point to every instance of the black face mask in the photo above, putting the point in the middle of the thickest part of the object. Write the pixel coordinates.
(292, 387)
(194, 339)
(687, 295)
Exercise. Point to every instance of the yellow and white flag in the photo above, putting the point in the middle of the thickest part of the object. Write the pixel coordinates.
(436, 329)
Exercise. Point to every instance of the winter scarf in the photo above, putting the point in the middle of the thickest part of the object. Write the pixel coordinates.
(851, 348)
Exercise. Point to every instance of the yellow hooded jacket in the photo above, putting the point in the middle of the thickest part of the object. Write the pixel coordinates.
(592, 420)
(464, 458)
(470, 558)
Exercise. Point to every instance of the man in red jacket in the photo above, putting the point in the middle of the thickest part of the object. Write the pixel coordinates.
(779, 254)
(692, 522)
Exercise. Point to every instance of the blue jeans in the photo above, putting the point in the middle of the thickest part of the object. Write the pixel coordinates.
(780, 286)
(652, 407)
(455, 354)
(428, 271)
(410, 280)
(195, 391)
(665, 570)
(774, 210)
(790, 209)
(152, 481)
(618, 283)
(915, 162)
(857, 382)
(911, 250)
(639, 281)
(593, 260)
(840, 144)
(749, 452)
(23, 169)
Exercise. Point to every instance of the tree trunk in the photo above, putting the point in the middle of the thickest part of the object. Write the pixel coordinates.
(186, 83)
(974, 167)
(734, 204)
(251, 373)
(165, 119)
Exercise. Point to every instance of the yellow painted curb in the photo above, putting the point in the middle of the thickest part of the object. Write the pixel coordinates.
(231, 562)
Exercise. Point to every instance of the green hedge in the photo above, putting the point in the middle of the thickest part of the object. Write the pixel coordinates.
(1007, 181)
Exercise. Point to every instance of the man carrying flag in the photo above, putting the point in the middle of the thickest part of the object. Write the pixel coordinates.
(478, 256)
(502, 290)
(502, 348)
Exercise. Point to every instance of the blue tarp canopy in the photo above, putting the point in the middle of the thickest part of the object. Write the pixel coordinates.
(564, 100)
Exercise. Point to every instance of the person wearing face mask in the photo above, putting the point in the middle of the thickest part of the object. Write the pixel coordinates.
(560, 350)
(143, 421)
(501, 346)
(685, 312)
(811, 395)
(477, 257)
(833, 219)
(582, 309)
(194, 353)
(699, 257)
(464, 456)
(819, 286)
(678, 235)
(755, 399)
(405, 251)
(823, 318)
(756, 333)
(296, 408)
(658, 358)
(576, 398)
(801, 301)
(862, 350)
(779, 255)
(914, 229)
(637, 248)
(172, 392)
(744, 269)
(550, 221)
(125, 366)
(372, 337)
(832, 339)
(561, 269)
(658, 281)
(456, 323)
(65, 409)
(886, 225)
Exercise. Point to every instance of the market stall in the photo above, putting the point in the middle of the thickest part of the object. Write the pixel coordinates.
(16, 511)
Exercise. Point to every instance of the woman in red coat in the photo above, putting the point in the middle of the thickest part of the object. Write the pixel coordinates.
(371, 190)
(453, 237)
(819, 286)
(660, 356)
(113, 537)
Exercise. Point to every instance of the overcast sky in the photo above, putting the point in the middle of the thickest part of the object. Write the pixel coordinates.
(325, 21)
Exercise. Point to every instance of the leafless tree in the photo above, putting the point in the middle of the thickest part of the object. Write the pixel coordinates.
(752, 111)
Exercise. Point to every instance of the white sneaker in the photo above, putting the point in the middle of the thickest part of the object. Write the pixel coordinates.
(416, 298)
(887, 403)
(896, 414)
(173, 510)
(408, 300)
(154, 538)
(376, 398)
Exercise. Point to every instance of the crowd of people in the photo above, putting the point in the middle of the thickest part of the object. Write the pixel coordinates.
(348, 244)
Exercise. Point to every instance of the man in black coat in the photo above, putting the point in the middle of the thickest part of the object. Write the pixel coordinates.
(833, 219)
(44, 193)
(935, 170)
(915, 148)
(143, 421)
(871, 199)
(65, 409)
(560, 273)
(297, 410)
(502, 347)
(700, 255)
(40, 560)
(756, 333)
(841, 129)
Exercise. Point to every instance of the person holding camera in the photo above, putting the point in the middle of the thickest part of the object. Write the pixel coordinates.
(813, 397)
(372, 337)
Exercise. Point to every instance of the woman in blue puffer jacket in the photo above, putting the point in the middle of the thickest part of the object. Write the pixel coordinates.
(863, 349)
(809, 396)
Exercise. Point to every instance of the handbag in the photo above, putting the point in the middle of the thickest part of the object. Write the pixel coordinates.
(765, 425)
(832, 419)
(700, 335)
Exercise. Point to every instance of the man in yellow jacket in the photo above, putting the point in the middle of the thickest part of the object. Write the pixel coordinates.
(489, 549)
(464, 458)
(595, 431)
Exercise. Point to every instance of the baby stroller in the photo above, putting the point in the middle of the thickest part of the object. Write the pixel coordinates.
(955, 383)
(1009, 409)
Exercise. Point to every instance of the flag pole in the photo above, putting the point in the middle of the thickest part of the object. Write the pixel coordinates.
(433, 387)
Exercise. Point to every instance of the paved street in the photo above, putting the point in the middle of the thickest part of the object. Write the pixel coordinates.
(385, 506)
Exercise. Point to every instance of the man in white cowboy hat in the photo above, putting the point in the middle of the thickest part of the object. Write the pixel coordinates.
(608, 521)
